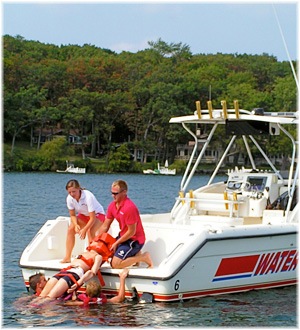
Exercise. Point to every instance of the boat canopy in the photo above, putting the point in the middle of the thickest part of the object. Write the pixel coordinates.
(238, 123)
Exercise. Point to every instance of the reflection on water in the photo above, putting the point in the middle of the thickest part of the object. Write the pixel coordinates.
(56, 313)
(255, 309)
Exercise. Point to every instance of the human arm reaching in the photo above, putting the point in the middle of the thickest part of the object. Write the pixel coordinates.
(88, 275)
(121, 293)
(117, 299)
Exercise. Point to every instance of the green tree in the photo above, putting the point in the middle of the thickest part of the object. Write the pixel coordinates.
(20, 108)
(77, 114)
(50, 153)
(119, 160)
(285, 94)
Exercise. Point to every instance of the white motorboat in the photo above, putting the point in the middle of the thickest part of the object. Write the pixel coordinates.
(149, 171)
(225, 237)
(72, 169)
(161, 170)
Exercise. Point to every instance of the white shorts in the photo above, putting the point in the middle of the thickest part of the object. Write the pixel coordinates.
(77, 270)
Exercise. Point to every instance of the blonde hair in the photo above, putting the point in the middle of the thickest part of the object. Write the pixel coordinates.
(93, 289)
(121, 183)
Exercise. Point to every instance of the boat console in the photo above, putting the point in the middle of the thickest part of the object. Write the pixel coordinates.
(254, 184)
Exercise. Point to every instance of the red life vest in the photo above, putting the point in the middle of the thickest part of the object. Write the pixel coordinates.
(95, 300)
(69, 274)
(103, 247)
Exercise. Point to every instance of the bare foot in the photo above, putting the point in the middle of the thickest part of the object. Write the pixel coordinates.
(65, 261)
(147, 259)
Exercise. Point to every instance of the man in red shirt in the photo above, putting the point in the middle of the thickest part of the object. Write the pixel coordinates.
(131, 239)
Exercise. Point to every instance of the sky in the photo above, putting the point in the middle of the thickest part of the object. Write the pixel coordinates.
(206, 27)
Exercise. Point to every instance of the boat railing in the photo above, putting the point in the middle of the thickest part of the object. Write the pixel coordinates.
(223, 204)
(215, 117)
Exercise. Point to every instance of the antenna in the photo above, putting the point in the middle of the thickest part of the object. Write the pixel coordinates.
(286, 49)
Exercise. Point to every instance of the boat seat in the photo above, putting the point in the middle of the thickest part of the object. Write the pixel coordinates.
(215, 202)
(159, 248)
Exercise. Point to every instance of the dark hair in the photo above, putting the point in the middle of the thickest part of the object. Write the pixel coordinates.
(34, 280)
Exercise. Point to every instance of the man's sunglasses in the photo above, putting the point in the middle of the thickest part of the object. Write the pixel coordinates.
(116, 193)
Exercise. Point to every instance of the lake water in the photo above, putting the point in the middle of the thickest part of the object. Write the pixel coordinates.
(29, 199)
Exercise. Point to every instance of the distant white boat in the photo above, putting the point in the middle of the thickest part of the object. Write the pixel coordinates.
(72, 169)
(161, 170)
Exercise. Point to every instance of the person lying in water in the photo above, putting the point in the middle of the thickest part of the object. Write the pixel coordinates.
(94, 295)
(81, 269)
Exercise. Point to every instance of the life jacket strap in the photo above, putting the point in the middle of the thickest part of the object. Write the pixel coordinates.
(69, 275)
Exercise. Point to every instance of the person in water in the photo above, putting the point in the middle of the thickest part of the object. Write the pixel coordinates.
(81, 269)
(86, 213)
(37, 282)
(94, 295)
(131, 239)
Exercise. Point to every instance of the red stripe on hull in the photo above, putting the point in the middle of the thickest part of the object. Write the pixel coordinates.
(237, 265)
(198, 294)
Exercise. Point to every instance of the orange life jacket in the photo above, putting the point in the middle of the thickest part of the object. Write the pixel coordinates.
(103, 247)
(105, 242)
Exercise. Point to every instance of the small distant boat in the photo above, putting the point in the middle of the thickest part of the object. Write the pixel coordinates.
(72, 169)
(161, 170)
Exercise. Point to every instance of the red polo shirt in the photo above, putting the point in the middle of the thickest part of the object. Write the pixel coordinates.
(127, 214)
